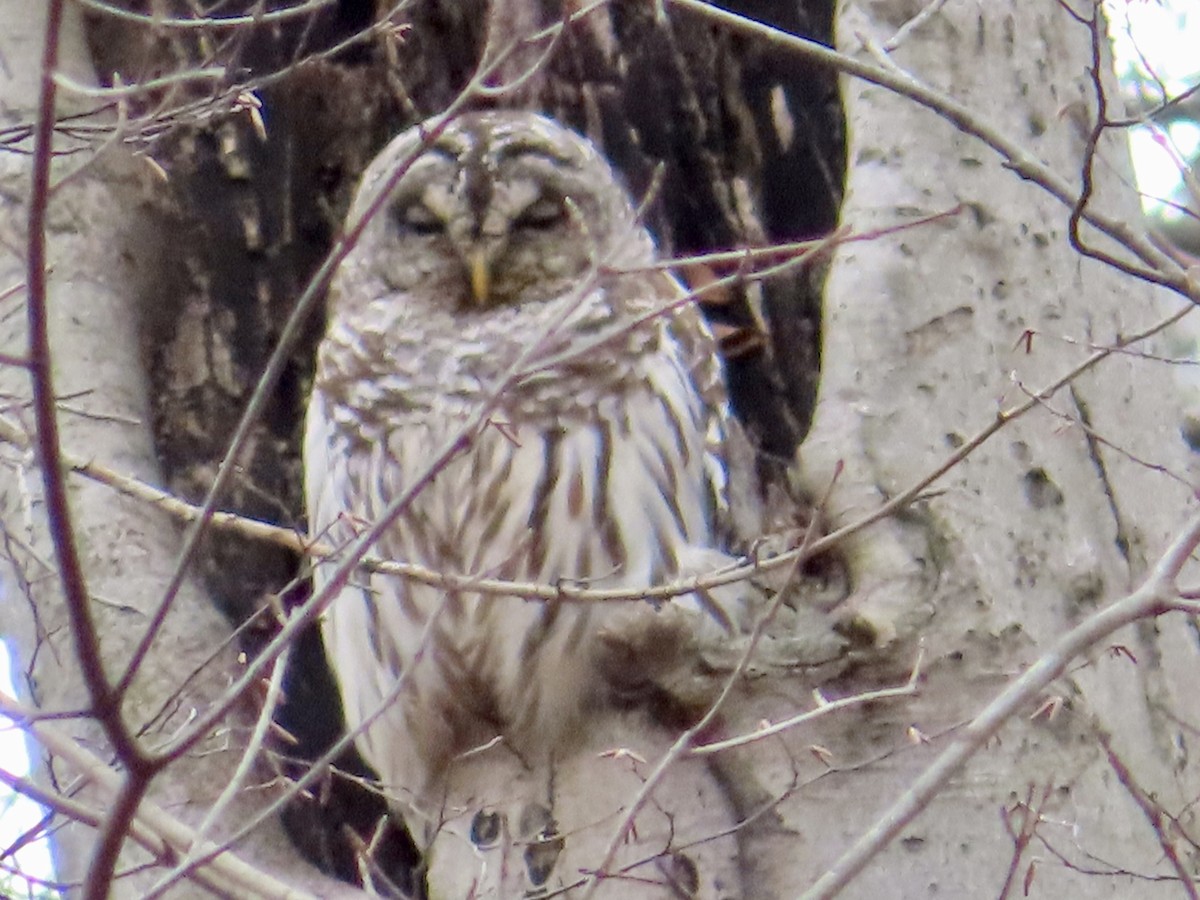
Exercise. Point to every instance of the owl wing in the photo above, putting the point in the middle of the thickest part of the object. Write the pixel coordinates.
(732, 477)
(346, 479)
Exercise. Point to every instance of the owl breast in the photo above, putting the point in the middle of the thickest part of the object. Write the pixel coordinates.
(587, 470)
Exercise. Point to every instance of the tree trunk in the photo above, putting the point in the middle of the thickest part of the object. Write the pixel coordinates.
(928, 331)
(928, 336)
(104, 259)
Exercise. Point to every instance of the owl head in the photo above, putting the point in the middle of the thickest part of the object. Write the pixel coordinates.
(500, 208)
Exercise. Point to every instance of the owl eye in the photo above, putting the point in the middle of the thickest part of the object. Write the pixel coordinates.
(420, 219)
(541, 214)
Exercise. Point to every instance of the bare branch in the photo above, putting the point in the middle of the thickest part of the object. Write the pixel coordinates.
(824, 708)
(152, 827)
(1161, 269)
(1156, 595)
(264, 17)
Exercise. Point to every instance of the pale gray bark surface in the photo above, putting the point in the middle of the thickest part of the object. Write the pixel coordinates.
(922, 347)
(103, 259)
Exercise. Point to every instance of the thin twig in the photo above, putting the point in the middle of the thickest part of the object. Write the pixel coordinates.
(104, 700)
(152, 827)
(917, 21)
(570, 593)
(206, 23)
(1156, 595)
(1087, 171)
(1030, 819)
(824, 708)
(1154, 815)
(47, 443)
(249, 758)
(688, 737)
(1160, 268)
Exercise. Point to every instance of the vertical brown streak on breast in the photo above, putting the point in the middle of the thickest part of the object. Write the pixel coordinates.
(621, 419)
(481, 498)
(580, 632)
(413, 530)
(537, 634)
(668, 484)
(677, 431)
(497, 512)
(479, 458)
(455, 608)
(668, 488)
(445, 655)
(604, 445)
(491, 506)
(575, 493)
(374, 626)
(448, 552)
(473, 656)
(365, 473)
(394, 664)
(410, 610)
(610, 536)
(664, 547)
(584, 559)
(417, 539)
(530, 708)
(542, 496)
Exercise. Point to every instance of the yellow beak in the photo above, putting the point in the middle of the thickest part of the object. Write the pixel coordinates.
(481, 276)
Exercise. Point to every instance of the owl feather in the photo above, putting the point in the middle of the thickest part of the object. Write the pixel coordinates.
(507, 271)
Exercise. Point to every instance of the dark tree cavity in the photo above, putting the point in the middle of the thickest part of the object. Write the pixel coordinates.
(733, 146)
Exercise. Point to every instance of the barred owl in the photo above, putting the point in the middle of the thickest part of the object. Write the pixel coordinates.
(507, 272)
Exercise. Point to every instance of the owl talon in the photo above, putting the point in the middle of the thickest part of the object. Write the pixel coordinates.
(486, 829)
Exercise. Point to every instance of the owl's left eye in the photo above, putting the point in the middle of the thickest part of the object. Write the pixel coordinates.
(420, 219)
(541, 214)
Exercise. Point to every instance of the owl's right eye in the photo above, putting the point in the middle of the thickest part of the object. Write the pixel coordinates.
(420, 219)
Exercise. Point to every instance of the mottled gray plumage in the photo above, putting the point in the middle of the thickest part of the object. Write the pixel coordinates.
(508, 267)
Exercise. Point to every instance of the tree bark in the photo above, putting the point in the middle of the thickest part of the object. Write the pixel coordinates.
(929, 330)
(925, 342)
(105, 260)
